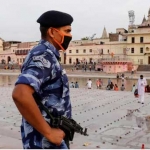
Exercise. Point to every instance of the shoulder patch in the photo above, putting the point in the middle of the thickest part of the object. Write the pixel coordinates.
(41, 58)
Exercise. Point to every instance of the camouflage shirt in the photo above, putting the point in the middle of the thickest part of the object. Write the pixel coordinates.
(43, 72)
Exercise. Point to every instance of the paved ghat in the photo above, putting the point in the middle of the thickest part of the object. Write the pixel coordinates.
(114, 119)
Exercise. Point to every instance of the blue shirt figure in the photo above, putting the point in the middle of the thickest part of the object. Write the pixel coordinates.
(41, 73)
(76, 85)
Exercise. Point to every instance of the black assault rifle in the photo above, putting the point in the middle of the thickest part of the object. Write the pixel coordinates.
(69, 126)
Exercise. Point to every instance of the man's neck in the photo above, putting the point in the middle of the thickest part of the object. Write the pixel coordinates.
(52, 42)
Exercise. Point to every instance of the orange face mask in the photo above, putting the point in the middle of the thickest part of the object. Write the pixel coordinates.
(65, 40)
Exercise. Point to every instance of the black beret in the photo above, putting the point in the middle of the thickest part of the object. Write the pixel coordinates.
(55, 19)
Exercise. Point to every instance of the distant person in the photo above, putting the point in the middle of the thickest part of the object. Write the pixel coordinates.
(98, 83)
(116, 87)
(76, 85)
(122, 88)
(109, 81)
(108, 87)
(117, 77)
(89, 84)
(72, 85)
(122, 75)
(132, 72)
(133, 88)
(101, 83)
(85, 68)
(141, 88)
(82, 67)
(90, 67)
(111, 86)
(123, 80)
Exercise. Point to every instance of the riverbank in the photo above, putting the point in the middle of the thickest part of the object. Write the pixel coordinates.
(88, 74)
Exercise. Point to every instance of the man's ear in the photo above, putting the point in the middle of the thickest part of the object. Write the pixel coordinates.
(51, 32)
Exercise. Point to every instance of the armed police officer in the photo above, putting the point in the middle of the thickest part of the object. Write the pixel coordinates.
(42, 74)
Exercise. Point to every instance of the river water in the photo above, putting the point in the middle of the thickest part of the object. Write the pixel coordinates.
(6, 80)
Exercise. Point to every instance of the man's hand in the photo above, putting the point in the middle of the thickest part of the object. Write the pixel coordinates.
(23, 98)
(56, 136)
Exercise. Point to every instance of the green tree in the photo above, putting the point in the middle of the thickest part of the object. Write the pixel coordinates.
(85, 38)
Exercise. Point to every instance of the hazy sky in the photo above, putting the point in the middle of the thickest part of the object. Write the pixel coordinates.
(18, 17)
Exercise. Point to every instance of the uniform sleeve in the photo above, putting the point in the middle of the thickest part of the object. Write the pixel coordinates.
(36, 70)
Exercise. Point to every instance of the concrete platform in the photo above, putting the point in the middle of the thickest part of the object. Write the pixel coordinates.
(114, 120)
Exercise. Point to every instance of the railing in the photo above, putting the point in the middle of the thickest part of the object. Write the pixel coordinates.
(114, 59)
(22, 53)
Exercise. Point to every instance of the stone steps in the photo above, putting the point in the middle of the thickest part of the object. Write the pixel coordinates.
(143, 68)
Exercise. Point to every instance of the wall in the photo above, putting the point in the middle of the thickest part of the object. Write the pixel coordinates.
(1, 45)
(137, 56)
(113, 47)
(115, 68)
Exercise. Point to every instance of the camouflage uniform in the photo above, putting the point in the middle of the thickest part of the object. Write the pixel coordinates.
(43, 72)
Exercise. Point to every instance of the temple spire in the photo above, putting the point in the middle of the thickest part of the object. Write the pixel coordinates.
(104, 35)
(149, 15)
(144, 19)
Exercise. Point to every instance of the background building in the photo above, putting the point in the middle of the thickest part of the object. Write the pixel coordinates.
(116, 52)
(126, 47)
(14, 52)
